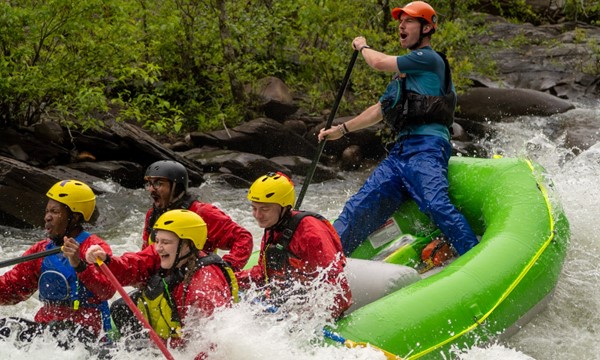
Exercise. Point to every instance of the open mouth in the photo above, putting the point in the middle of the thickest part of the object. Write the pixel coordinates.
(403, 36)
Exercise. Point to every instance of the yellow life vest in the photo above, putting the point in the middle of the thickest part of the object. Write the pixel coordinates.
(160, 317)
(160, 309)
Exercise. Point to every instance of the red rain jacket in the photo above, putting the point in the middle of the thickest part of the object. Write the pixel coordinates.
(19, 283)
(207, 290)
(316, 246)
(223, 233)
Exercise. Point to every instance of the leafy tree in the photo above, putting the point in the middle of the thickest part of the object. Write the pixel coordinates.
(181, 65)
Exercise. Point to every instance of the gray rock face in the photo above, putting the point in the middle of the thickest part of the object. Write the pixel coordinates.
(492, 104)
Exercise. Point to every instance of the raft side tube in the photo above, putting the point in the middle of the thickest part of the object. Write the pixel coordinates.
(371, 280)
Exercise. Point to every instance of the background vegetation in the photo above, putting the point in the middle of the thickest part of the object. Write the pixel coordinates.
(181, 65)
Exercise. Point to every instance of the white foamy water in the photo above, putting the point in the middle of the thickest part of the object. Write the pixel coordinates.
(568, 329)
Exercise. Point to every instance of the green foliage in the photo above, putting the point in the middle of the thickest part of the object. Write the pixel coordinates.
(582, 10)
(58, 56)
(176, 65)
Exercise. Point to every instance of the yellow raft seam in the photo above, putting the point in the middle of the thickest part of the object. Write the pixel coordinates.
(517, 280)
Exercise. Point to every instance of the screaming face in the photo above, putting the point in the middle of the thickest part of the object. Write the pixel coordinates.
(160, 191)
(56, 219)
(409, 31)
(166, 247)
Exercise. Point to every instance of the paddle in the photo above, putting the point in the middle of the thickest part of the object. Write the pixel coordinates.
(313, 165)
(351, 344)
(30, 257)
(153, 335)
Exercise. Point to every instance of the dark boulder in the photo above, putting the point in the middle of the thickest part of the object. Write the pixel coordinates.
(490, 104)
(263, 136)
(299, 166)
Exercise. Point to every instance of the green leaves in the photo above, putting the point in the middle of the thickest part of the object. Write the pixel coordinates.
(180, 65)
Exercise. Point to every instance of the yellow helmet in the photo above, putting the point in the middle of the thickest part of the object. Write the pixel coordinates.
(273, 188)
(185, 224)
(76, 195)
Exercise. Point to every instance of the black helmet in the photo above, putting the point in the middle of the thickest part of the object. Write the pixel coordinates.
(171, 170)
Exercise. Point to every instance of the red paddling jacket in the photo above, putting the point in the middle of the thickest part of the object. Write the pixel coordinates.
(313, 247)
(82, 301)
(207, 290)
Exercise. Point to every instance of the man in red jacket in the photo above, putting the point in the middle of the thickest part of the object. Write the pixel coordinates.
(297, 247)
(167, 182)
(74, 295)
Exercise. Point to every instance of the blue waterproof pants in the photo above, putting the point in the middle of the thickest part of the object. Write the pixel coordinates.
(416, 168)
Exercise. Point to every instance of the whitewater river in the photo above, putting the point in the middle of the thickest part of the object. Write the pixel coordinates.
(568, 329)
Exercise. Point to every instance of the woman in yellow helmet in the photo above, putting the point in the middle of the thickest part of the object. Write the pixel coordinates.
(177, 278)
(74, 296)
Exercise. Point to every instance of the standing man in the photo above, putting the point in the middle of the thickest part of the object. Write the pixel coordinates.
(167, 182)
(297, 247)
(419, 103)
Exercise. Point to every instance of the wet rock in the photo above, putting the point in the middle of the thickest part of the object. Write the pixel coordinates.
(299, 166)
(277, 100)
(581, 132)
(23, 144)
(263, 136)
(352, 157)
(126, 173)
(50, 131)
(489, 104)
(234, 181)
(297, 126)
(247, 166)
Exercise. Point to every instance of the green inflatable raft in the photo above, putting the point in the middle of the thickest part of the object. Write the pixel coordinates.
(488, 292)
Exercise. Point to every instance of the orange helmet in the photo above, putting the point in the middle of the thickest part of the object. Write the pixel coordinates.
(417, 9)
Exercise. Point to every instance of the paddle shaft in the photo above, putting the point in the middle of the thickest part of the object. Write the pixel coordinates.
(315, 162)
(29, 257)
(153, 335)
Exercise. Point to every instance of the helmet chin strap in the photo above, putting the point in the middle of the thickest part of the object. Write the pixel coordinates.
(179, 258)
(284, 212)
(71, 226)
(172, 198)
(421, 37)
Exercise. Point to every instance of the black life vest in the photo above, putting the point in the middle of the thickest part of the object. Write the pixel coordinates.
(277, 254)
(411, 108)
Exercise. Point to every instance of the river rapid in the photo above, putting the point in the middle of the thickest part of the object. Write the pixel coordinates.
(567, 329)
